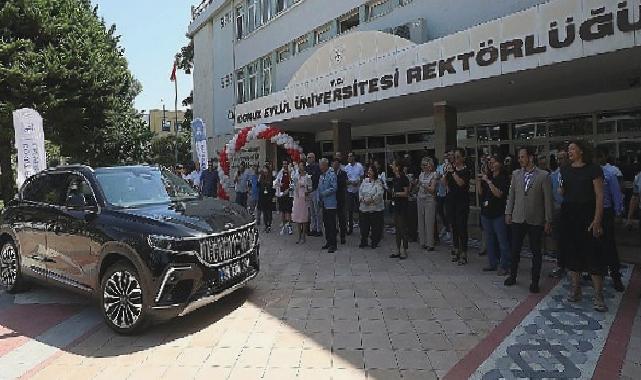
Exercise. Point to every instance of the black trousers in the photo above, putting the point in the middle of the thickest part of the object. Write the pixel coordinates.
(400, 222)
(341, 215)
(329, 222)
(556, 234)
(412, 222)
(371, 226)
(352, 207)
(608, 243)
(441, 212)
(267, 217)
(457, 214)
(535, 236)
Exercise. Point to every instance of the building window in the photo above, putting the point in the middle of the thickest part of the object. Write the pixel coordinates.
(283, 53)
(253, 17)
(266, 10)
(252, 70)
(240, 86)
(396, 140)
(426, 137)
(266, 85)
(240, 15)
(359, 144)
(301, 44)
(280, 6)
(322, 34)
(348, 21)
(379, 8)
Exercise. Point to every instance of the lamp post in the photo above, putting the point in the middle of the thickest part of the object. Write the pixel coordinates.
(162, 126)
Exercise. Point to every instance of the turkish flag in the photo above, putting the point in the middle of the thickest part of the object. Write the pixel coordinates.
(173, 73)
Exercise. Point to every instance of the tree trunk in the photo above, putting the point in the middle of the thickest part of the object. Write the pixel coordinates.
(7, 182)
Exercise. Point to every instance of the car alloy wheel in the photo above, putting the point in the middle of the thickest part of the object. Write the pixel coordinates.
(122, 299)
(8, 265)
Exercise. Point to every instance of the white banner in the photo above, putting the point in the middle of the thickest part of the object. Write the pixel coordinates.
(30, 143)
(199, 132)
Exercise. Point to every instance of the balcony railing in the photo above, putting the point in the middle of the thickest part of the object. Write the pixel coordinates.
(197, 10)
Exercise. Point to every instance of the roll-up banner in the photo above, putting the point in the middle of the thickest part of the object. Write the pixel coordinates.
(30, 143)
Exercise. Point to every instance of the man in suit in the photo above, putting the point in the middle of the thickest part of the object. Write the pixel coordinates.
(327, 194)
(529, 212)
(341, 198)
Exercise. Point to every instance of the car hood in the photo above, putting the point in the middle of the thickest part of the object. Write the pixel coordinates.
(204, 216)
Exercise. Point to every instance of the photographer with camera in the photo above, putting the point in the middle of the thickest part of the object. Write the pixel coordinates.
(457, 178)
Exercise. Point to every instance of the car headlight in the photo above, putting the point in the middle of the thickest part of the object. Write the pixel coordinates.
(173, 244)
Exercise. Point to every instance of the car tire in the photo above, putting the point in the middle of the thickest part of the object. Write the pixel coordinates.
(123, 301)
(11, 277)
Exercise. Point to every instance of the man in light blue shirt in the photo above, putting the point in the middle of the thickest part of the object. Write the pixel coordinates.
(327, 186)
(612, 207)
(634, 201)
(555, 177)
(441, 194)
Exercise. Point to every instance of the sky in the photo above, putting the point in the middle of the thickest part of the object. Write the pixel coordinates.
(152, 32)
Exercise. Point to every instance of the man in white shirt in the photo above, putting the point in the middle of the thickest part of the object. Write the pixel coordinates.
(355, 174)
(194, 176)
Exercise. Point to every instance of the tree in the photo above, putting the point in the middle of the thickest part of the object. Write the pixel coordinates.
(162, 149)
(59, 58)
(185, 60)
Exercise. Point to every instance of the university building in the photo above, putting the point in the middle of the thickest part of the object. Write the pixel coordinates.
(392, 77)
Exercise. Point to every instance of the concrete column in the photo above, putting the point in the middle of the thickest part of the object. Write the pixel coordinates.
(445, 125)
(342, 133)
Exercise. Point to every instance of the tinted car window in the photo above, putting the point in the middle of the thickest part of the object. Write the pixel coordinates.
(47, 188)
(78, 192)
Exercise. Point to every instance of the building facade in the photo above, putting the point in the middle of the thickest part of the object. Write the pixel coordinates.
(163, 122)
(404, 77)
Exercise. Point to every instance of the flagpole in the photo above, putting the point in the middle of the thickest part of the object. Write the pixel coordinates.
(176, 117)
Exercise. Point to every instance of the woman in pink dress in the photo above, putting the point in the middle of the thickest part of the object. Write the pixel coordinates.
(300, 213)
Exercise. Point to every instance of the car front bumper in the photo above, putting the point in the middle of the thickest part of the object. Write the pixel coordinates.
(188, 287)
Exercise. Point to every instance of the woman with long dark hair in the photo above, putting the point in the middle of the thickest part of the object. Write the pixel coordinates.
(493, 186)
(581, 184)
(400, 193)
(457, 178)
(265, 196)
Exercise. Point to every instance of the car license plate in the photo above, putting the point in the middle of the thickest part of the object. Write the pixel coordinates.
(233, 270)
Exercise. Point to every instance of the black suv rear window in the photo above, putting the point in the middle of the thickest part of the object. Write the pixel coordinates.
(46, 188)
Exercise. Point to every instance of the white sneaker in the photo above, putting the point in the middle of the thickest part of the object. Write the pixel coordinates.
(290, 231)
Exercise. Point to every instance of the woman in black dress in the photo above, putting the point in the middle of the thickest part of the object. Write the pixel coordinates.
(265, 196)
(457, 179)
(400, 193)
(581, 185)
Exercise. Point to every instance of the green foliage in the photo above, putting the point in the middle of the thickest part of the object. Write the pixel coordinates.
(185, 57)
(59, 58)
(162, 149)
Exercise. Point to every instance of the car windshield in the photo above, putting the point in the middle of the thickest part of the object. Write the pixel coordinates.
(139, 186)
(177, 188)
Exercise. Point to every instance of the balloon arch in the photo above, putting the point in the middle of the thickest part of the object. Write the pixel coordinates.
(245, 135)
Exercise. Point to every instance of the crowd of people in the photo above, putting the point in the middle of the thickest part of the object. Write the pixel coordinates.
(575, 203)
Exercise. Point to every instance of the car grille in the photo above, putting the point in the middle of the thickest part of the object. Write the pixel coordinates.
(228, 246)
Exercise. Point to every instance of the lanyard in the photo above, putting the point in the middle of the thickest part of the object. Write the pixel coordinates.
(529, 179)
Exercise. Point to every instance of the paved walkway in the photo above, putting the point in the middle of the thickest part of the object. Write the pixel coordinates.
(354, 314)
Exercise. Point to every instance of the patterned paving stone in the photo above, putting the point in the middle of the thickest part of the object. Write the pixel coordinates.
(557, 339)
